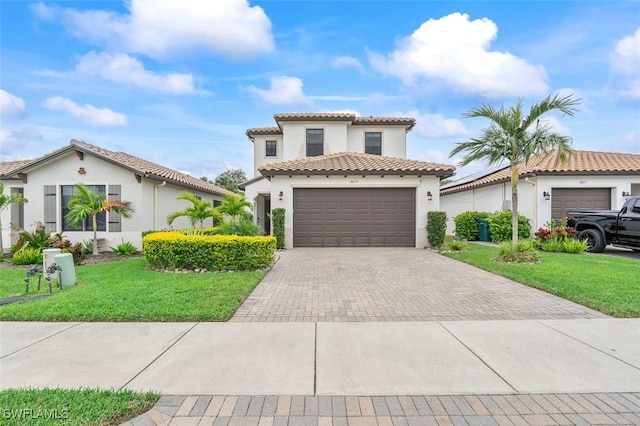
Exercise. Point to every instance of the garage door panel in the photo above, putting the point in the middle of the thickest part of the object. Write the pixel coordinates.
(564, 199)
(354, 217)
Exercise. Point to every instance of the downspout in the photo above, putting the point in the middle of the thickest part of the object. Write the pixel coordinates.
(155, 203)
(535, 202)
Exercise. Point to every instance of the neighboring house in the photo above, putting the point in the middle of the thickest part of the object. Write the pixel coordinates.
(589, 180)
(343, 180)
(47, 182)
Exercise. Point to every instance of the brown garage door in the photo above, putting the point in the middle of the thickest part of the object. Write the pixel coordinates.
(341, 217)
(563, 199)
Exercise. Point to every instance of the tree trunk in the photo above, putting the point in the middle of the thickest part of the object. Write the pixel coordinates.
(514, 205)
(94, 218)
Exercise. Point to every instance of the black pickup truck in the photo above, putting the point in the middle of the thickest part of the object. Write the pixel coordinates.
(602, 227)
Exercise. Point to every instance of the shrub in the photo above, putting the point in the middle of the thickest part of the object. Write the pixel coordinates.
(216, 252)
(39, 239)
(124, 248)
(277, 224)
(523, 253)
(466, 225)
(574, 245)
(77, 250)
(88, 247)
(27, 256)
(500, 226)
(436, 228)
(244, 227)
(554, 237)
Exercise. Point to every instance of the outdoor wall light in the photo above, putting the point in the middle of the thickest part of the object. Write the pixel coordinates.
(429, 196)
(546, 195)
(281, 196)
(626, 194)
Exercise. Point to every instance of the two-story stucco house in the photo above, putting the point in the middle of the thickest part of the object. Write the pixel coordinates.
(47, 182)
(343, 180)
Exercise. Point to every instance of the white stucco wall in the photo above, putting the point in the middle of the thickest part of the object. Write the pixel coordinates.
(149, 214)
(259, 151)
(287, 184)
(531, 202)
(394, 141)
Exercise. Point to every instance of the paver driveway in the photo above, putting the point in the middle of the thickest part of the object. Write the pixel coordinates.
(393, 284)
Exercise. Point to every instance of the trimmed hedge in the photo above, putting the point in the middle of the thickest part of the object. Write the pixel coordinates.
(212, 252)
(436, 228)
(277, 224)
(500, 226)
(466, 225)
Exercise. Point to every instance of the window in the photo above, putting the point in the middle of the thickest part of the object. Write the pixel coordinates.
(87, 225)
(216, 203)
(315, 142)
(271, 148)
(373, 143)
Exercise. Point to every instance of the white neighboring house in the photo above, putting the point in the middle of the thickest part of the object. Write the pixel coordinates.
(589, 180)
(343, 180)
(47, 182)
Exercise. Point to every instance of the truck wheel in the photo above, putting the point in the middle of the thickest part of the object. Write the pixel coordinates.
(594, 238)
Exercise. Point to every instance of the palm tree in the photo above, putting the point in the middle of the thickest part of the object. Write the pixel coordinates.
(200, 210)
(236, 207)
(514, 137)
(88, 204)
(5, 202)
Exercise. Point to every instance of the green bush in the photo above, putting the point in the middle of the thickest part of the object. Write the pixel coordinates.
(436, 228)
(27, 256)
(277, 224)
(215, 253)
(244, 227)
(125, 248)
(466, 225)
(523, 253)
(500, 226)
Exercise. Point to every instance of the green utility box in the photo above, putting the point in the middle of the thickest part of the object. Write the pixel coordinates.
(67, 269)
(485, 234)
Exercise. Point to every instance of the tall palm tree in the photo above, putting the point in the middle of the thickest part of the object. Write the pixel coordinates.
(88, 204)
(236, 207)
(515, 137)
(5, 202)
(197, 213)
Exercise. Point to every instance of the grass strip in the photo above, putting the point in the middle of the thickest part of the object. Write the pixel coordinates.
(608, 284)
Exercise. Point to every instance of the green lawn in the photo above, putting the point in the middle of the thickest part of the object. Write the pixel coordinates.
(606, 283)
(80, 407)
(128, 291)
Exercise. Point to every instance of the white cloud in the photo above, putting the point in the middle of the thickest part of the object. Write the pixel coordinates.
(436, 125)
(161, 28)
(632, 140)
(13, 139)
(124, 69)
(554, 126)
(456, 51)
(10, 105)
(283, 91)
(87, 113)
(348, 62)
(625, 66)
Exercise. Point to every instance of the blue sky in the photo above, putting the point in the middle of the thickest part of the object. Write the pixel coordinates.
(178, 82)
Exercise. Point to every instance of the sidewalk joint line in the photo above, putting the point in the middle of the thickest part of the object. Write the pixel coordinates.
(480, 358)
(315, 360)
(41, 340)
(588, 345)
(156, 358)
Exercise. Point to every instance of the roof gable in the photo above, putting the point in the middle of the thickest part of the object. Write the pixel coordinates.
(579, 162)
(355, 163)
(138, 166)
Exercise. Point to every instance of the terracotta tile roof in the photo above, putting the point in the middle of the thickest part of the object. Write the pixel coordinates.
(408, 122)
(136, 164)
(263, 131)
(579, 163)
(355, 163)
(9, 166)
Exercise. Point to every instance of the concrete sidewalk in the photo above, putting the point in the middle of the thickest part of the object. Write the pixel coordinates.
(405, 358)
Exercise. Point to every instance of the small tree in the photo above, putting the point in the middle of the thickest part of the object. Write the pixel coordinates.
(197, 213)
(88, 204)
(5, 202)
(436, 228)
(235, 207)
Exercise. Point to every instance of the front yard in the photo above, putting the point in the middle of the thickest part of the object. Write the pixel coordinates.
(606, 283)
(128, 291)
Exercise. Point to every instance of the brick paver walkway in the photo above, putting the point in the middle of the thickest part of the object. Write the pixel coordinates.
(393, 284)
(539, 409)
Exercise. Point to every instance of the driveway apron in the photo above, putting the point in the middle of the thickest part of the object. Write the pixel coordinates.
(393, 284)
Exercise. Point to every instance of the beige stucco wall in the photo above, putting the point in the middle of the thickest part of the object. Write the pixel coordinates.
(150, 212)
